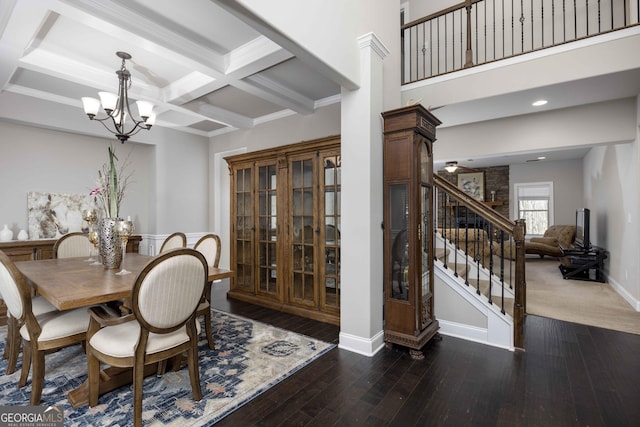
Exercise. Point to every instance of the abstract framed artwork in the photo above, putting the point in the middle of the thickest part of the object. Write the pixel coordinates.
(472, 184)
(53, 214)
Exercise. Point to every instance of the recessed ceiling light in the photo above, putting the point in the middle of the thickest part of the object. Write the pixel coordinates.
(539, 102)
(542, 157)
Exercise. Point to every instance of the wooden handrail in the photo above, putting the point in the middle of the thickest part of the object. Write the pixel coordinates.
(440, 13)
(503, 223)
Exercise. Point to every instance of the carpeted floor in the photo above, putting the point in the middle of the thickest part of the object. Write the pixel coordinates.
(250, 357)
(588, 303)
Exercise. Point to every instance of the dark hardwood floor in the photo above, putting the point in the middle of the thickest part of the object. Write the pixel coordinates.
(569, 375)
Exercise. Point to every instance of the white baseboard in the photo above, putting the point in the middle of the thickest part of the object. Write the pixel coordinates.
(635, 303)
(469, 333)
(364, 346)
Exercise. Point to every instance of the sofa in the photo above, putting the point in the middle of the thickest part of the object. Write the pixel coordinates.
(550, 243)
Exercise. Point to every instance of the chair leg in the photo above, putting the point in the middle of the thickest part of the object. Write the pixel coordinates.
(12, 350)
(207, 328)
(26, 363)
(37, 376)
(194, 371)
(138, 377)
(7, 346)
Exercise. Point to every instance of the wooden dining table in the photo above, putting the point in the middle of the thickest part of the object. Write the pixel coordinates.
(69, 283)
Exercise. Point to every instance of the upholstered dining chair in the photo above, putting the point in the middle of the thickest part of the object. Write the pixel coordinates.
(175, 240)
(209, 245)
(74, 244)
(163, 324)
(40, 334)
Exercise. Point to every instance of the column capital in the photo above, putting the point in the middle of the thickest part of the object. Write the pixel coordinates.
(372, 41)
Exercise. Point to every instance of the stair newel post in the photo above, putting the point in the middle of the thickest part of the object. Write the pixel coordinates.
(520, 302)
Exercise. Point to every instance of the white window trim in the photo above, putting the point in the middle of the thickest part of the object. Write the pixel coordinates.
(516, 188)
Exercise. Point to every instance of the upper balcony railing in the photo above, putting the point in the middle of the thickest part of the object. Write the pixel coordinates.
(479, 31)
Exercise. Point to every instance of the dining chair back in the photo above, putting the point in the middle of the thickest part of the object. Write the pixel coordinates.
(40, 334)
(74, 244)
(175, 240)
(209, 245)
(162, 324)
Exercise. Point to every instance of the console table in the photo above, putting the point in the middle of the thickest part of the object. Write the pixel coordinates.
(583, 264)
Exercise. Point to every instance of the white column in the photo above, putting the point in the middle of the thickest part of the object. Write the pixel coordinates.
(361, 235)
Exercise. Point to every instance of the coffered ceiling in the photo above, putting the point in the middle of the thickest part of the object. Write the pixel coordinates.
(205, 70)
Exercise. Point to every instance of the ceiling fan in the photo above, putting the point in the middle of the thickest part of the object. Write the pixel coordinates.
(451, 167)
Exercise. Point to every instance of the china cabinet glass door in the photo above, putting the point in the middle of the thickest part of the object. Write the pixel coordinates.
(304, 234)
(399, 222)
(331, 176)
(244, 229)
(426, 203)
(267, 236)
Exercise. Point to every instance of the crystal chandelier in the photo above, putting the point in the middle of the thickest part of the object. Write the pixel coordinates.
(117, 107)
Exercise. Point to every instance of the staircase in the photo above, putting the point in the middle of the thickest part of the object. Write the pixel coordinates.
(479, 271)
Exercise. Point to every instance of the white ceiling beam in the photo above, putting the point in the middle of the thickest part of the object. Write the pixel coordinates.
(20, 21)
(220, 115)
(251, 58)
(189, 88)
(257, 55)
(276, 93)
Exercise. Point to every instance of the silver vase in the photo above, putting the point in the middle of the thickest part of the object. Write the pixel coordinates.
(110, 245)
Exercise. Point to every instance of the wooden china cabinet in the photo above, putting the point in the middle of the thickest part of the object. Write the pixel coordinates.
(285, 228)
(409, 134)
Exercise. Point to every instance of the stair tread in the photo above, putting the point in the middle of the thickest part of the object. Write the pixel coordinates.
(484, 290)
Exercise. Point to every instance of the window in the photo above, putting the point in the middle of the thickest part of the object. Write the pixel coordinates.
(534, 204)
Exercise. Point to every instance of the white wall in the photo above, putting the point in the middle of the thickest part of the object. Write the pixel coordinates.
(611, 193)
(182, 198)
(567, 185)
(35, 159)
(168, 189)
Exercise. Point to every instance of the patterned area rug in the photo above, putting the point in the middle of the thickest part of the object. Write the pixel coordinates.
(250, 357)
